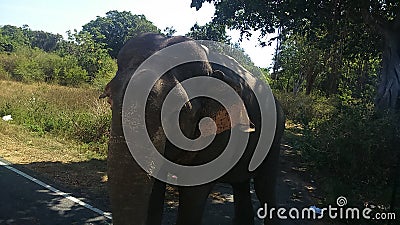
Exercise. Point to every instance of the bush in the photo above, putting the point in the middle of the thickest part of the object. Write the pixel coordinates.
(350, 149)
(306, 110)
(91, 128)
(34, 65)
(355, 148)
(70, 74)
(28, 70)
(4, 75)
(105, 74)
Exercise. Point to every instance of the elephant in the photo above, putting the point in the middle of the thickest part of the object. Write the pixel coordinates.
(136, 196)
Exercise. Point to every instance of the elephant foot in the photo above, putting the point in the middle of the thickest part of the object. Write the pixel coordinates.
(192, 201)
(243, 206)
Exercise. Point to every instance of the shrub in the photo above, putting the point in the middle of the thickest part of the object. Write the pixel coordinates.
(352, 153)
(90, 128)
(105, 74)
(70, 73)
(355, 142)
(30, 65)
(4, 75)
(28, 70)
(306, 110)
(350, 149)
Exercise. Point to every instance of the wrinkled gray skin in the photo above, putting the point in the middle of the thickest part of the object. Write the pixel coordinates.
(137, 198)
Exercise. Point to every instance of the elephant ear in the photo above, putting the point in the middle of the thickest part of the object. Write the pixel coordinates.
(235, 84)
(242, 119)
(218, 74)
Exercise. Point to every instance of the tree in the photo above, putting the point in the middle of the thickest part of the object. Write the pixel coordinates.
(116, 28)
(43, 40)
(5, 43)
(217, 33)
(365, 17)
(210, 31)
(91, 56)
(12, 37)
(169, 31)
(301, 62)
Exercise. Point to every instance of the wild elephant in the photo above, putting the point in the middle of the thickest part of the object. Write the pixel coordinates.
(136, 197)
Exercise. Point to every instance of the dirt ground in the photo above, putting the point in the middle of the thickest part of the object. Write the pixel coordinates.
(296, 188)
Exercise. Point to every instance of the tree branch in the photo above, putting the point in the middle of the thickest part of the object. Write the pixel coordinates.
(396, 21)
(376, 22)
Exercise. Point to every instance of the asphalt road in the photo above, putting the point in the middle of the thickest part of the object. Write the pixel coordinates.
(25, 200)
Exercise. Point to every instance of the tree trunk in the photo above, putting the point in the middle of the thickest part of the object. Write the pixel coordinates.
(311, 75)
(389, 87)
(297, 83)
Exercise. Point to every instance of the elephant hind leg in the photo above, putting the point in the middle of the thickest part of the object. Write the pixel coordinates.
(243, 206)
(156, 208)
(265, 183)
(192, 201)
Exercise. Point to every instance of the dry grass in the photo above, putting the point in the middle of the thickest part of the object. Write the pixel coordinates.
(62, 161)
(66, 98)
(65, 160)
(19, 146)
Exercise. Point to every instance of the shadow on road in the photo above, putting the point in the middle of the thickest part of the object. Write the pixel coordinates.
(24, 202)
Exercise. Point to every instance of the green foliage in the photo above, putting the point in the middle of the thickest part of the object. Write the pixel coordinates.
(358, 19)
(301, 63)
(5, 44)
(350, 149)
(360, 77)
(42, 40)
(343, 30)
(12, 38)
(116, 28)
(305, 67)
(169, 31)
(307, 110)
(76, 61)
(89, 128)
(34, 65)
(90, 55)
(356, 148)
(210, 31)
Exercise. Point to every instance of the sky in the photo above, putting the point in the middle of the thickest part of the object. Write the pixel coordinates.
(61, 16)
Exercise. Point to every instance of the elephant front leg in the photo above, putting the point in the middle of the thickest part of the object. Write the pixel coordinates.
(192, 201)
(243, 206)
(129, 186)
(156, 208)
(265, 183)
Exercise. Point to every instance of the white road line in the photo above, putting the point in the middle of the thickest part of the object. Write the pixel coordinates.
(58, 192)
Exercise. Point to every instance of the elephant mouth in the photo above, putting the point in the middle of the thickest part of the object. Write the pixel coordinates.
(224, 121)
(248, 128)
(107, 94)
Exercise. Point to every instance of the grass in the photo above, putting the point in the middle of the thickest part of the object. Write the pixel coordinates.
(59, 132)
(71, 113)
